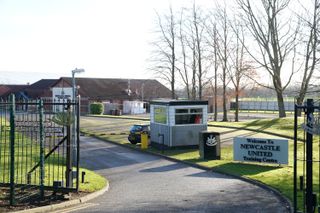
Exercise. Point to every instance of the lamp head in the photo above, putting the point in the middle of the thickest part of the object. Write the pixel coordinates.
(76, 70)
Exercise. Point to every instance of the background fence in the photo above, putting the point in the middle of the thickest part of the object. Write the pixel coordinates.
(262, 105)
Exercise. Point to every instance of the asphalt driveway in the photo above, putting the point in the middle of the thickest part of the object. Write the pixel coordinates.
(141, 182)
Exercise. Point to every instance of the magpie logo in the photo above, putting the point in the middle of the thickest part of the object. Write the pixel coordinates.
(211, 141)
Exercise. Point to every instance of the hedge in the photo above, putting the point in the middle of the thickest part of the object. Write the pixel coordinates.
(96, 108)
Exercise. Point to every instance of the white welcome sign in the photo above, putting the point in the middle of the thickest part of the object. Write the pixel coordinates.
(262, 150)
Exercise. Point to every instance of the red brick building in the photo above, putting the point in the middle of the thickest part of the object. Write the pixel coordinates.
(110, 90)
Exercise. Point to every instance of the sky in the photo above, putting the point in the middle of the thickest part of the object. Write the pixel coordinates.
(108, 38)
(49, 38)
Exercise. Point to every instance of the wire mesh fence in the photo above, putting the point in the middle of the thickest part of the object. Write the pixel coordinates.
(262, 105)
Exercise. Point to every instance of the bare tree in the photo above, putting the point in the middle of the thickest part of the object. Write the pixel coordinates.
(189, 59)
(184, 71)
(223, 54)
(215, 53)
(195, 38)
(212, 41)
(241, 67)
(198, 41)
(275, 40)
(164, 57)
(311, 49)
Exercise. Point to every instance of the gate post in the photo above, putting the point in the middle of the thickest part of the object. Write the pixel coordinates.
(295, 158)
(12, 151)
(69, 151)
(40, 108)
(309, 141)
(78, 140)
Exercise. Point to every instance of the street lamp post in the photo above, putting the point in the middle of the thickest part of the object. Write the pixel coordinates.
(76, 70)
(74, 150)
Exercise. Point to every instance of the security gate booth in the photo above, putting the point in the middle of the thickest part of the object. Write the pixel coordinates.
(177, 123)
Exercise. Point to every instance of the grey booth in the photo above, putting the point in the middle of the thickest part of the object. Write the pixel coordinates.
(177, 123)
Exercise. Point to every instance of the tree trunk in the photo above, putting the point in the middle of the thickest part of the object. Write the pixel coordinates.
(173, 95)
(215, 97)
(225, 117)
(279, 91)
(194, 70)
(299, 102)
(215, 74)
(282, 111)
(236, 114)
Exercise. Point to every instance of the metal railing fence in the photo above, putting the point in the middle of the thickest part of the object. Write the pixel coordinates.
(36, 149)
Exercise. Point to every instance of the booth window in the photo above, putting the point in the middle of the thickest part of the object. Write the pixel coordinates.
(189, 116)
(160, 115)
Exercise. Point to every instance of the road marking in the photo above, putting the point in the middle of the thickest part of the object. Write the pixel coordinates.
(75, 208)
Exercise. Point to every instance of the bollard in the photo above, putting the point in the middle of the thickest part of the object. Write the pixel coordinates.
(144, 140)
(82, 176)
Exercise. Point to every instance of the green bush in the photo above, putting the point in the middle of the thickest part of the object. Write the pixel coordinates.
(96, 108)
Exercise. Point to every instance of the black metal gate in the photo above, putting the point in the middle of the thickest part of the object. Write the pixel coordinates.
(39, 147)
(306, 158)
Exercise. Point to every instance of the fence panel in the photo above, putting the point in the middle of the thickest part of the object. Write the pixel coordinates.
(306, 159)
(43, 155)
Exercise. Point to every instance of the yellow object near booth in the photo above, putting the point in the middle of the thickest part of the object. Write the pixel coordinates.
(144, 140)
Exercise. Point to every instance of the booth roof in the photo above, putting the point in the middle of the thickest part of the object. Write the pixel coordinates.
(171, 102)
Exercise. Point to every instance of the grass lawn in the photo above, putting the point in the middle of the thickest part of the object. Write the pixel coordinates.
(93, 181)
(283, 126)
(278, 177)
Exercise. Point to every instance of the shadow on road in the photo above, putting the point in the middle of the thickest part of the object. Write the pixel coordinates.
(208, 174)
(165, 168)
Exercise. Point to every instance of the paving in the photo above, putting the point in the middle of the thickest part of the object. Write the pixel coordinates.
(140, 182)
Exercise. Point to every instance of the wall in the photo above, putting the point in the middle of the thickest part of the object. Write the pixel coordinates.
(186, 135)
(133, 107)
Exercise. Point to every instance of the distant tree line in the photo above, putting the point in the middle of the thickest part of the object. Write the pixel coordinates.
(261, 43)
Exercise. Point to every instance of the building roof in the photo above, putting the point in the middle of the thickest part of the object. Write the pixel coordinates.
(43, 84)
(115, 88)
(7, 89)
(39, 88)
(95, 88)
